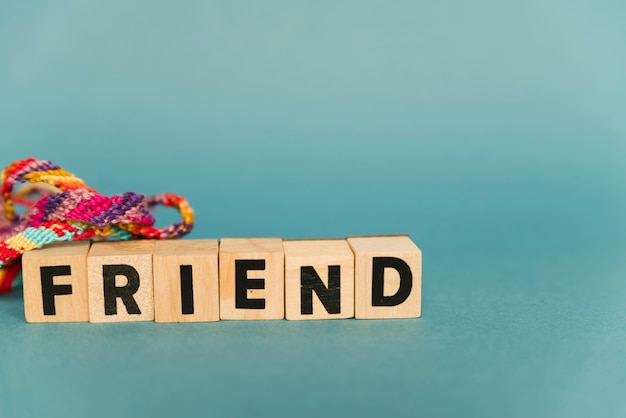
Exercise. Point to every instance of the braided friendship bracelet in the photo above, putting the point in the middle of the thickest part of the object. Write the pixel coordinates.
(61, 207)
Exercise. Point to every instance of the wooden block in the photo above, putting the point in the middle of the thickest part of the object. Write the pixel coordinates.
(388, 277)
(319, 279)
(120, 281)
(186, 281)
(55, 283)
(252, 281)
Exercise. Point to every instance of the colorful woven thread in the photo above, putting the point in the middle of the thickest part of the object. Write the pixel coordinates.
(61, 207)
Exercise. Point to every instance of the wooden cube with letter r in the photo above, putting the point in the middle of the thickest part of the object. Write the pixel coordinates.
(120, 281)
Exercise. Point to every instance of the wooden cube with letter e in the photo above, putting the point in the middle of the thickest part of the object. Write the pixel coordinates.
(252, 281)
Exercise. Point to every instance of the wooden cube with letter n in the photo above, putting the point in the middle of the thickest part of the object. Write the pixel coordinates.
(186, 281)
(319, 279)
(252, 281)
(55, 283)
(388, 277)
(120, 281)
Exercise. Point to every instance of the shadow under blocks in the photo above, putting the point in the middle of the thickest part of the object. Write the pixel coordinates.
(369, 277)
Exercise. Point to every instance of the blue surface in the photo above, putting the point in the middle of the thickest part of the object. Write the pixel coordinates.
(492, 132)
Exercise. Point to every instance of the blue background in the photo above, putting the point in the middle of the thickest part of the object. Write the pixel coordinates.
(493, 132)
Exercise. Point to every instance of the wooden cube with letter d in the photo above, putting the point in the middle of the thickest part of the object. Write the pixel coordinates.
(388, 277)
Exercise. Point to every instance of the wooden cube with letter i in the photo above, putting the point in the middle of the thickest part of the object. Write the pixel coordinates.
(186, 281)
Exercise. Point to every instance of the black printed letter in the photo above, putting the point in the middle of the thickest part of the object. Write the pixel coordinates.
(310, 282)
(186, 289)
(112, 292)
(242, 284)
(49, 290)
(378, 281)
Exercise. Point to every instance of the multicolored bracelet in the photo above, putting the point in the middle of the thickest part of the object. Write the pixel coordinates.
(61, 207)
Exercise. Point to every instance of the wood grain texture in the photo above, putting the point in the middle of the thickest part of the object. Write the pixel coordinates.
(320, 256)
(71, 257)
(366, 249)
(186, 271)
(138, 255)
(266, 250)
